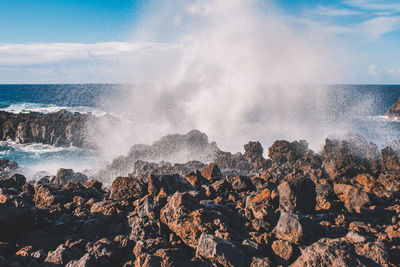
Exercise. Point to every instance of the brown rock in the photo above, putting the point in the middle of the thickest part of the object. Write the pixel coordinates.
(128, 188)
(211, 172)
(283, 251)
(353, 198)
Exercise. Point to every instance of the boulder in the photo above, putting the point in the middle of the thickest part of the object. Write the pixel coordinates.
(283, 251)
(329, 252)
(294, 228)
(128, 188)
(253, 153)
(66, 176)
(283, 151)
(220, 251)
(353, 198)
(297, 195)
(62, 255)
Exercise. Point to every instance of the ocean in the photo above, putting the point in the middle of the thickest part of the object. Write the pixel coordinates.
(367, 120)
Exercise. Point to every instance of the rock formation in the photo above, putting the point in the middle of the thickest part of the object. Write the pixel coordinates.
(394, 110)
(340, 207)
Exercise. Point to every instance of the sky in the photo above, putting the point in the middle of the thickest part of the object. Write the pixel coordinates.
(82, 41)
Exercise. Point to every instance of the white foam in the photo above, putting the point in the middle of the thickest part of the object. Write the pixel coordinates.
(50, 108)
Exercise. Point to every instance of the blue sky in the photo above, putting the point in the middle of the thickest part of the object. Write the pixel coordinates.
(44, 41)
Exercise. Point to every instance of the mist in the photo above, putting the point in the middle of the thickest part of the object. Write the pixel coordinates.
(237, 70)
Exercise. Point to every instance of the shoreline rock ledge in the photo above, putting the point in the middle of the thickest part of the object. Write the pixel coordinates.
(394, 111)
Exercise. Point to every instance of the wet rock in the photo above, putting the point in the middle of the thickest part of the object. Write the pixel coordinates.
(297, 194)
(7, 167)
(294, 228)
(128, 188)
(66, 176)
(344, 159)
(353, 198)
(219, 251)
(283, 151)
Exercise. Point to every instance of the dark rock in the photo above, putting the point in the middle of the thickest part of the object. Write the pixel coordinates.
(128, 188)
(62, 255)
(297, 194)
(260, 262)
(219, 251)
(7, 167)
(168, 184)
(282, 151)
(196, 179)
(394, 110)
(253, 153)
(283, 251)
(85, 261)
(294, 228)
(242, 183)
(66, 176)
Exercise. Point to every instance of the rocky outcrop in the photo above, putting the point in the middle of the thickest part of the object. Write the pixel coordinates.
(61, 128)
(339, 207)
(394, 110)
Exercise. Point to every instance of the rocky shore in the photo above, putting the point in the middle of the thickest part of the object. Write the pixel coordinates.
(338, 207)
(394, 111)
(62, 128)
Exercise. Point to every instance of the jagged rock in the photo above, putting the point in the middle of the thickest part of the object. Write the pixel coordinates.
(297, 194)
(144, 228)
(353, 198)
(7, 167)
(394, 110)
(219, 251)
(325, 200)
(344, 159)
(242, 183)
(167, 183)
(196, 179)
(128, 188)
(85, 261)
(16, 181)
(260, 262)
(105, 252)
(253, 153)
(329, 252)
(294, 228)
(390, 160)
(66, 176)
(62, 255)
(211, 172)
(262, 206)
(283, 251)
(282, 151)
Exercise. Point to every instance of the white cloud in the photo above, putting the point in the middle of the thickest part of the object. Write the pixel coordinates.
(393, 71)
(391, 5)
(374, 70)
(41, 53)
(333, 11)
(378, 26)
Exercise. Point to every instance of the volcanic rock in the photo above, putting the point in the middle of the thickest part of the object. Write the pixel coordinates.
(297, 194)
(66, 176)
(128, 188)
(294, 228)
(394, 110)
(220, 251)
(353, 198)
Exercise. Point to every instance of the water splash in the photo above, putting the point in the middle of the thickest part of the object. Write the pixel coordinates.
(236, 70)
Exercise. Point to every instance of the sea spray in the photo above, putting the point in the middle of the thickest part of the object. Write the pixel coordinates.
(237, 70)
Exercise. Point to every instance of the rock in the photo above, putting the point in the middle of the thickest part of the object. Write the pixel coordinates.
(242, 183)
(219, 251)
(144, 228)
(66, 176)
(176, 215)
(16, 181)
(7, 167)
(329, 252)
(353, 198)
(211, 172)
(394, 110)
(344, 159)
(16, 214)
(294, 228)
(196, 179)
(325, 197)
(260, 262)
(262, 206)
(168, 184)
(297, 194)
(282, 151)
(253, 153)
(105, 252)
(390, 160)
(283, 251)
(85, 261)
(62, 255)
(128, 188)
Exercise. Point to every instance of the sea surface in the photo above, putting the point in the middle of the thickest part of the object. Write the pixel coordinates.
(368, 120)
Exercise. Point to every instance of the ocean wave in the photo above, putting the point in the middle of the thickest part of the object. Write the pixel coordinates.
(386, 118)
(48, 108)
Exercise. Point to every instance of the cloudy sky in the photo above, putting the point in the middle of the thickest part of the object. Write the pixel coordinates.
(84, 41)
